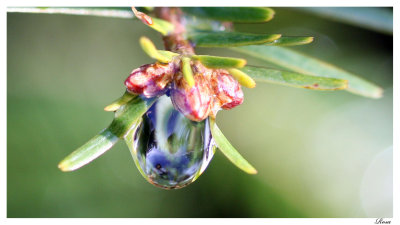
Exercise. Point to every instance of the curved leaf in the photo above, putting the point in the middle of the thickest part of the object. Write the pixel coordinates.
(150, 49)
(228, 150)
(308, 65)
(95, 147)
(244, 79)
(125, 98)
(126, 118)
(290, 41)
(233, 14)
(294, 79)
(128, 114)
(220, 62)
(229, 39)
(162, 26)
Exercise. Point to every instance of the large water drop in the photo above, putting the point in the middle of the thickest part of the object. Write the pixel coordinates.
(170, 150)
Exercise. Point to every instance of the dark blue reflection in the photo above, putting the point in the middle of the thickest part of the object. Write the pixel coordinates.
(171, 150)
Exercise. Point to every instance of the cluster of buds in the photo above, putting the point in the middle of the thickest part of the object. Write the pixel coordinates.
(199, 85)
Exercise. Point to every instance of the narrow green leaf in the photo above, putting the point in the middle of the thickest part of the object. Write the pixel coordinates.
(167, 54)
(291, 41)
(230, 39)
(233, 14)
(220, 62)
(162, 26)
(373, 18)
(128, 114)
(150, 49)
(126, 118)
(118, 12)
(120, 101)
(301, 63)
(95, 147)
(294, 79)
(228, 150)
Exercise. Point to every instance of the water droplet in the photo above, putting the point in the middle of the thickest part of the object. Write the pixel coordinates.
(170, 150)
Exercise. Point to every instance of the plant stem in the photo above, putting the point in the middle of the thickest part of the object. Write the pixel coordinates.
(175, 41)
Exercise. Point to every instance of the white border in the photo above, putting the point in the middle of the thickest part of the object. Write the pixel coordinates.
(396, 113)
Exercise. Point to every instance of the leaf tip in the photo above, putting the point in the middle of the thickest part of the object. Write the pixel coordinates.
(251, 171)
(242, 78)
(272, 38)
(346, 84)
(142, 16)
(268, 14)
(64, 166)
(276, 36)
(307, 40)
(111, 107)
(378, 93)
(241, 63)
(150, 49)
(125, 98)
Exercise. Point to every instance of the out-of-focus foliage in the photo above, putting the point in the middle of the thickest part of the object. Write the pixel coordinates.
(317, 153)
(374, 18)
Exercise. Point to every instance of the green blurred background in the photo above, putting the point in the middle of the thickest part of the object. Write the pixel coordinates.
(318, 154)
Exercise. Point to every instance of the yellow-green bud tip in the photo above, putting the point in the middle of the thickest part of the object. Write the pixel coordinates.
(63, 167)
(150, 49)
(242, 78)
(187, 71)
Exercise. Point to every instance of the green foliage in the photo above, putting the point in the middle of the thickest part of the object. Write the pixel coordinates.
(127, 115)
(377, 19)
(150, 49)
(162, 26)
(220, 62)
(242, 78)
(119, 102)
(94, 148)
(308, 65)
(308, 72)
(228, 39)
(126, 118)
(233, 14)
(168, 54)
(291, 41)
(294, 79)
(57, 117)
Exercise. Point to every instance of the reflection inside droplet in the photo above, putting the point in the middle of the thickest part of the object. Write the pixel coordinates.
(170, 150)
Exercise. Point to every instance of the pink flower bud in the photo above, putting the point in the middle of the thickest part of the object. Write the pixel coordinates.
(193, 102)
(226, 90)
(150, 80)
